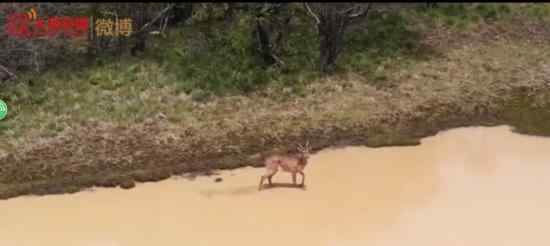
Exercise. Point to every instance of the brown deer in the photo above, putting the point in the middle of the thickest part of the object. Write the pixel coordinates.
(292, 163)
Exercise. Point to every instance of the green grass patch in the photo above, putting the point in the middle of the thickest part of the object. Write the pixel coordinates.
(528, 116)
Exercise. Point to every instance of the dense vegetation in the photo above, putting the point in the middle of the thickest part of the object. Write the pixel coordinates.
(265, 43)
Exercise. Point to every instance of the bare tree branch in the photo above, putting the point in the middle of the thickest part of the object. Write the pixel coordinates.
(335, 18)
(158, 17)
(347, 11)
(311, 13)
(279, 61)
(10, 74)
(361, 12)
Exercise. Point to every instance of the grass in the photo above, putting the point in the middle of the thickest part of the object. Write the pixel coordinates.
(463, 16)
(118, 89)
(530, 115)
(128, 90)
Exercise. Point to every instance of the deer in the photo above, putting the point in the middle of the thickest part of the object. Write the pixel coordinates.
(292, 163)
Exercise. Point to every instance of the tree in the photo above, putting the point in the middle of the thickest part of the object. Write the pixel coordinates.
(140, 37)
(331, 20)
(145, 27)
(181, 12)
(271, 24)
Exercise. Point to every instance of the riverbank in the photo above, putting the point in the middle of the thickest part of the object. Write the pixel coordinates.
(353, 196)
(489, 77)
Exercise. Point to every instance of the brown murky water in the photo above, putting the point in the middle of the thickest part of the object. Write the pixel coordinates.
(468, 186)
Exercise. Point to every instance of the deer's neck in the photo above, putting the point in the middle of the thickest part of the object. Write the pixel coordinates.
(302, 160)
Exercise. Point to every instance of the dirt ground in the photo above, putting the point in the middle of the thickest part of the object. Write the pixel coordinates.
(420, 195)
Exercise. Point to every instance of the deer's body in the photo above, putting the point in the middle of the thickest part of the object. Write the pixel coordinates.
(293, 164)
(290, 163)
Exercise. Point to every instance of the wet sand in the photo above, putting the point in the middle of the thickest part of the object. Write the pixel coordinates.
(468, 186)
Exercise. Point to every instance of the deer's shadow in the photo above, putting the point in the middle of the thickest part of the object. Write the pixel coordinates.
(251, 189)
(244, 190)
(276, 185)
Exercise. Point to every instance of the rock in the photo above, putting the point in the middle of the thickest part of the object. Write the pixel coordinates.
(161, 116)
(107, 182)
(217, 180)
(143, 176)
(149, 121)
(189, 176)
(170, 139)
(200, 96)
(127, 184)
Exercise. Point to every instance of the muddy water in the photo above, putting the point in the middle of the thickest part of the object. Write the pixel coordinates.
(468, 186)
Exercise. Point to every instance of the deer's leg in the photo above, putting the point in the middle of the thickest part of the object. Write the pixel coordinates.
(271, 176)
(303, 178)
(294, 178)
(268, 175)
(261, 183)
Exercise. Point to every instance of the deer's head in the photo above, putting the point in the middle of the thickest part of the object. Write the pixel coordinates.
(304, 152)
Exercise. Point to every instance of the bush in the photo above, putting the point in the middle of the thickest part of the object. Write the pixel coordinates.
(222, 58)
(382, 37)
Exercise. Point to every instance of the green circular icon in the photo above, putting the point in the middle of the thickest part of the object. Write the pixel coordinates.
(3, 109)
